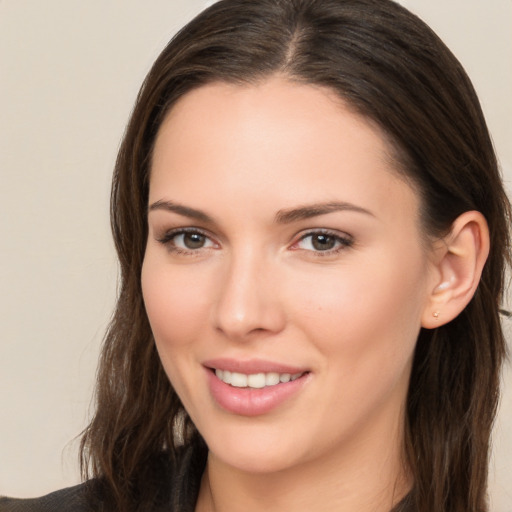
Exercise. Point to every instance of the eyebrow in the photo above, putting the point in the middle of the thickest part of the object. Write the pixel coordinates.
(186, 211)
(314, 210)
(282, 216)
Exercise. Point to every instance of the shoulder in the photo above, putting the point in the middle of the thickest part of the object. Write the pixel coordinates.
(174, 480)
(71, 499)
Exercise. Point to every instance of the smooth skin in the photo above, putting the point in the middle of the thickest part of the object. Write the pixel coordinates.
(340, 290)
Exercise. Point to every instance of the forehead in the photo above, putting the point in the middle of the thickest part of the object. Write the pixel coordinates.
(278, 140)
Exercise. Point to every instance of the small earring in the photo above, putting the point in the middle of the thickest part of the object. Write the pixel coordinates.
(435, 314)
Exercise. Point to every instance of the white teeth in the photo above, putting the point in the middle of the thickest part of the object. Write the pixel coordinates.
(238, 380)
(271, 379)
(255, 380)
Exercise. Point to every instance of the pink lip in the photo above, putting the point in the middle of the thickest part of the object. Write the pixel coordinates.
(249, 401)
(252, 366)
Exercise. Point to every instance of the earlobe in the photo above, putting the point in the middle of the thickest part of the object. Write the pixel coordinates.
(459, 262)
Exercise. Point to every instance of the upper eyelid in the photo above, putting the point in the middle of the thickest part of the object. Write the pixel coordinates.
(323, 231)
(186, 229)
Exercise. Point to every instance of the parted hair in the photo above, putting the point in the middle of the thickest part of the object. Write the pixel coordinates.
(392, 69)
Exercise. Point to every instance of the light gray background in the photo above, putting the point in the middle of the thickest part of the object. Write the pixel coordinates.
(69, 73)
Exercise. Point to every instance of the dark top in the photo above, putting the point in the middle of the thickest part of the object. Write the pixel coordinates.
(72, 499)
(178, 487)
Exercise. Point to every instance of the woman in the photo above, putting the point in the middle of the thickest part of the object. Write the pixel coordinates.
(312, 234)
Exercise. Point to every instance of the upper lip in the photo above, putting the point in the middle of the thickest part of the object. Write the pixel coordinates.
(252, 366)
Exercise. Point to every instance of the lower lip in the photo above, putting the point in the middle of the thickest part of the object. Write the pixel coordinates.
(252, 401)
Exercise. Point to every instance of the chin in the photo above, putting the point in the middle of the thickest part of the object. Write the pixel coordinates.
(255, 461)
(253, 451)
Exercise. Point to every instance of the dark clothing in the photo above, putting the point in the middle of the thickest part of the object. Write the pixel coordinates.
(72, 499)
(177, 489)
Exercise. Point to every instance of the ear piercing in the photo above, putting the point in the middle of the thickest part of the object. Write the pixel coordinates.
(435, 314)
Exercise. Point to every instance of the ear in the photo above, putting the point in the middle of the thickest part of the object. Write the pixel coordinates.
(458, 262)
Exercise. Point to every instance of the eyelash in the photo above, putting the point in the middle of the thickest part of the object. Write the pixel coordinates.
(343, 242)
(167, 240)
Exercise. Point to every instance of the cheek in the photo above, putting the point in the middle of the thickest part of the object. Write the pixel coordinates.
(365, 325)
(363, 312)
(176, 303)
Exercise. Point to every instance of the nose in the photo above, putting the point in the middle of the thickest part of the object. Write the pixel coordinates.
(248, 298)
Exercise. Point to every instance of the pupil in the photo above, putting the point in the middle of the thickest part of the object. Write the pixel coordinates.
(193, 240)
(323, 242)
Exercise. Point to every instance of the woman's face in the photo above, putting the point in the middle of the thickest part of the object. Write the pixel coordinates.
(285, 254)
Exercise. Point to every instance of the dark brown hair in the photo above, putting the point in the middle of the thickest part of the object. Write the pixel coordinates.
(391, 68)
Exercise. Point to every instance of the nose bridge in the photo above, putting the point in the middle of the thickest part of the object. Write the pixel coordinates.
(247, 301)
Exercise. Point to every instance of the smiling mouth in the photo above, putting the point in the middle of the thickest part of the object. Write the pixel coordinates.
(255, 380)
(255, 387)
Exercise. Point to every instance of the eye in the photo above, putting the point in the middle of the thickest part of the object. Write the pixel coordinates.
(323, 242)
(186, 241)
(191, 240)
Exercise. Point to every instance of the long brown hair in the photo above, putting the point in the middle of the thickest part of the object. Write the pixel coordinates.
(390, 67)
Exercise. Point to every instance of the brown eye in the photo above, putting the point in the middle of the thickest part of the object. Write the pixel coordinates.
(322, 242)
(182, 241)
(193, 240)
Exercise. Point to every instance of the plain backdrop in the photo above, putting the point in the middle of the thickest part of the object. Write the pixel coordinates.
(69, 73)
